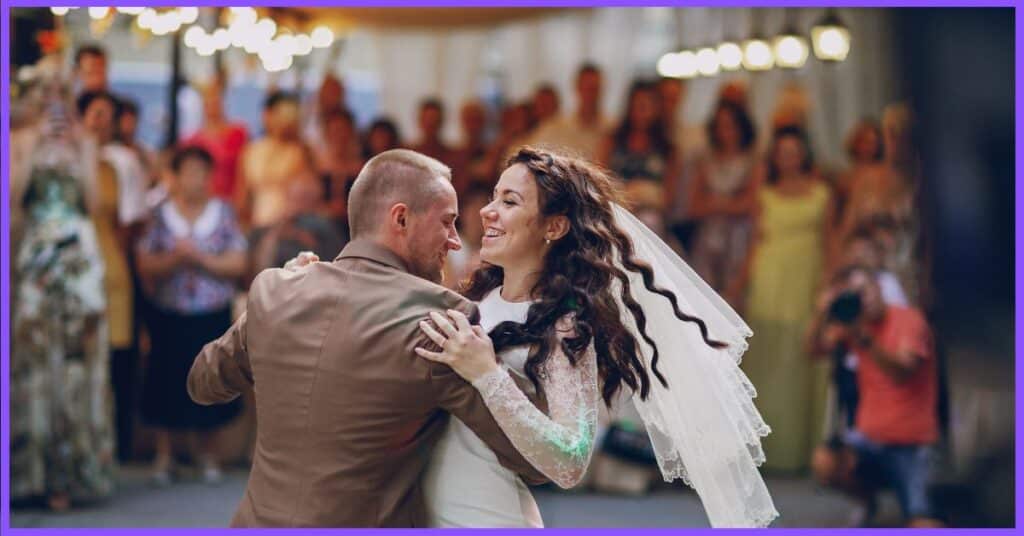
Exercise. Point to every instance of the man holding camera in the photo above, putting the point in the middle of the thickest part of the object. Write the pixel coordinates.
(896, 423)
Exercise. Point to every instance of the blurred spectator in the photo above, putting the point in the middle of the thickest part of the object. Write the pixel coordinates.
(469, 160)
(647, 203)
(304, 229)
(115, 232)
(269, 164)
(690, 140)
(431, 121)
(869, 188)
(862, 248)
(638, 149)
(581, 133)
(513, 132)
(192, 254)
(859, 249)
(224, 140)
(382, 135)
(898, 136)
(329, 97)
(734, 92)
(339, 162)
(90, 69)
(911, 250)
(865, 151)
(62, 437)
(784, 268)
(896, 425)
(461, 263)
(546, 104)
(98, 111)
(792, 108)
(723, 196)
(127, 129)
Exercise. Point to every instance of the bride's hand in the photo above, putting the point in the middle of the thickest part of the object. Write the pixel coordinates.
(303, 259)
(465, 348)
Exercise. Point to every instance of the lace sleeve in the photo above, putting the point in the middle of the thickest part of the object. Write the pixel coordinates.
(559, 445)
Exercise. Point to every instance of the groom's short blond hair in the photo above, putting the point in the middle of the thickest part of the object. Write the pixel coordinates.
(395, 176)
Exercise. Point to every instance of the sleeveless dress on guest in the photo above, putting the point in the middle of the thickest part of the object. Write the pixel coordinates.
(784, 282)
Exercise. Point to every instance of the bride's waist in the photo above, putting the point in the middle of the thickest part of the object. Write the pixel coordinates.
(459, 440)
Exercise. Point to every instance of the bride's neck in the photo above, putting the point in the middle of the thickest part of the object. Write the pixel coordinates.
(517, 284)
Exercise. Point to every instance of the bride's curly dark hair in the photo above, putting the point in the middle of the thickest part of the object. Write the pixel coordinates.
(577, 277)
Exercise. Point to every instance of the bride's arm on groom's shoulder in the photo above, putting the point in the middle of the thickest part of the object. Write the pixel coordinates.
(221, 371)
(559, 444)
(461, 400)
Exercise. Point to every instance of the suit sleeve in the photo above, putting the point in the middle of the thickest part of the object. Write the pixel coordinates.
(221, 371)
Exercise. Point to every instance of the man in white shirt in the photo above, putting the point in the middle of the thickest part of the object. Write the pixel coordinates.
(580, 133)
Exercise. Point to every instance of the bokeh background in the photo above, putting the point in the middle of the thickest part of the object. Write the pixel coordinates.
(903, 117)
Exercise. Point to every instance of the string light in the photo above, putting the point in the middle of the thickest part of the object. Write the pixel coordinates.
(322, 37)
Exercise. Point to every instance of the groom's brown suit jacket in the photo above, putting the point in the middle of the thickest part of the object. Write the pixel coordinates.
(346, 412)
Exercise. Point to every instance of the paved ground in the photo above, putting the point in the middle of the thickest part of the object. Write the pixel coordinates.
(193, 504)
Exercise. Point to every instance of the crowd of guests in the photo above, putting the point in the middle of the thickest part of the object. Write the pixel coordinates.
(819, 262)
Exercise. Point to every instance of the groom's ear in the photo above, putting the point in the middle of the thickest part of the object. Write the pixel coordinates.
(398, 216)
(557, 227)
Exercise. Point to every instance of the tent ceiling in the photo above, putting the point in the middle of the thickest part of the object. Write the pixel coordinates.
(405, 18)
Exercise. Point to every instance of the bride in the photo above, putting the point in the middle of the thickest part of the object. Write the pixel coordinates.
(582, 299)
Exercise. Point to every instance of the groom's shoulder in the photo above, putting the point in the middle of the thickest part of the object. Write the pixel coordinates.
(274, 286)
(434, 296)
(414, 293)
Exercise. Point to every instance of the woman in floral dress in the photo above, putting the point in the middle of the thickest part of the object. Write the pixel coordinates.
(62, 436)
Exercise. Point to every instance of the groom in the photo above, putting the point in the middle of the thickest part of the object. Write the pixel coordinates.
(347, 413)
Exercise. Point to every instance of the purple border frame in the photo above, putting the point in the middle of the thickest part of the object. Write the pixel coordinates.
(5, 313)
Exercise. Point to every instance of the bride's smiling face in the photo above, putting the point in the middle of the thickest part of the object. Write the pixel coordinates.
(513, 227)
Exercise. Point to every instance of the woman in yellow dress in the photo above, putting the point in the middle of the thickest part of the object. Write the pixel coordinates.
(783, 273)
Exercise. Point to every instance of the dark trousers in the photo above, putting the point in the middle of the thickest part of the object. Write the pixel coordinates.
(124, 372)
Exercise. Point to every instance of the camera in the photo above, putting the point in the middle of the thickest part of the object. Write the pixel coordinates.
(846, 308)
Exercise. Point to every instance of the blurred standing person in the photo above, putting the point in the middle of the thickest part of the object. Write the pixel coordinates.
(117, 218)
(461, 263)
(127, 130)
(223, 139)
(192, 254)
(580, 133)
(911, 247)
(862, 248)
(722, 198)
(304, 229)
(690, 142)
(514, 129)
(784, 269)
(869, 188)
(269, 164)
(431, 121)
(90, 69)
(99, 112)
(545, 105)
(867, 165)
(469, 163)
(329, 97)
(382, 135)
(338, 162)
(638, 149)
(62, 435)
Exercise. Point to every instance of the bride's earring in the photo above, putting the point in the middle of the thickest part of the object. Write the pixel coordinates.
(546, 241)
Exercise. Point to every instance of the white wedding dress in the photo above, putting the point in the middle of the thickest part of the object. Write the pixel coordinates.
(465, 486)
